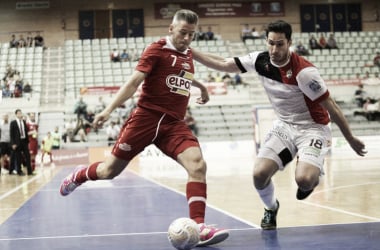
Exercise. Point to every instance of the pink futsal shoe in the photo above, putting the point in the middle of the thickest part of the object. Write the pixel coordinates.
(68, 185)
(210, 235)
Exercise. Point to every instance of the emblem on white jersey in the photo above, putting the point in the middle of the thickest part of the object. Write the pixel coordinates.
(180, 84)
(315, 86)
(289, 73)
(125, 147)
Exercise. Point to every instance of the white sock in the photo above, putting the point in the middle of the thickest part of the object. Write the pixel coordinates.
(267, 196)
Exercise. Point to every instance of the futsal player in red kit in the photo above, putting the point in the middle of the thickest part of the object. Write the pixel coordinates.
(166, 69)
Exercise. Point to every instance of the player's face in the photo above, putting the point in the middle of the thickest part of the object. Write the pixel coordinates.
(19, 115)
(182, 33)
(278, 47)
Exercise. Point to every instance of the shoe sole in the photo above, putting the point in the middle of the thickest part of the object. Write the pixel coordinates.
(301, 195)
(269, 228)
(218, 237)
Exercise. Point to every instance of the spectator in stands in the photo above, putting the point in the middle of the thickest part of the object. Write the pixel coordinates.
(9, 72)
(370, 110)
(210, 78)
(360, 95)
(115, 56)
(124, 57)
(88, 119)
(70, 126)
(27, 90)
(301, 49)
(331, 42)
(255, 34)
(13, 43)
(237, 79)
(29, 40)
(134, 55)
(80, 129)
(226, 78)
(322, 41)
(56, 138)
(21, 41)
(190, 121)
(210, 34)
(200, 35)
(367, 75)
(80, 108)
(5, 90)
(100, 105)
(218, 78)
(376, 59)
(246, 32)
(39, 40)
(313, 43)
(112, 131)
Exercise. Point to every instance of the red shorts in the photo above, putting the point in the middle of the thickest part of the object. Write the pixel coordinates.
(145, 127)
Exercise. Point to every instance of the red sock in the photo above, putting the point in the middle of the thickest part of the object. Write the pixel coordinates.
(88, 173)
(196, 193)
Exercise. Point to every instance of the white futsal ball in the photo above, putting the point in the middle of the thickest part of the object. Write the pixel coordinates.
(183, 233)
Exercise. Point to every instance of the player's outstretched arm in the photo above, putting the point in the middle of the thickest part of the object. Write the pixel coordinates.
(337, 116)
(204, 93)
(125, 92)
(215, 61)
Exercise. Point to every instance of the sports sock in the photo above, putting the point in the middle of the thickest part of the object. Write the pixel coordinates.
(196, 193)
(267, 196)
(88, 173)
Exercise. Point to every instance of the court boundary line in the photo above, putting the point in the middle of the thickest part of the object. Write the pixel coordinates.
(15, 189)
(181, 193)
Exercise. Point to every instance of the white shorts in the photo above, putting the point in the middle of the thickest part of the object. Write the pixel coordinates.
(284, 141)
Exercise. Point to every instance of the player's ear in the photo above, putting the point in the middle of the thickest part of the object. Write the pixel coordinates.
(171, 27)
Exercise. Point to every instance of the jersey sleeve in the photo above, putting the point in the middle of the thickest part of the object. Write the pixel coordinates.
(311, 83)
(148, 59)
(247, 63)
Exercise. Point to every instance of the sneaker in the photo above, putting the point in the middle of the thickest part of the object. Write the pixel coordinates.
(269, 221)
(301, 195)
(68, 185)
(210, 235)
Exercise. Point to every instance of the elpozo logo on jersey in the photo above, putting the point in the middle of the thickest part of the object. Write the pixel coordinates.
(180, 84)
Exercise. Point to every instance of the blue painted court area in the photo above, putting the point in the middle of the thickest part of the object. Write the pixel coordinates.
(132, 213)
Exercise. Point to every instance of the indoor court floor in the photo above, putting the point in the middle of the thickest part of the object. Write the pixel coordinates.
(133, 211)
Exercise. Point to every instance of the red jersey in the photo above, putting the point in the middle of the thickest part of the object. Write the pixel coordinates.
(32, 133)
(169, 76)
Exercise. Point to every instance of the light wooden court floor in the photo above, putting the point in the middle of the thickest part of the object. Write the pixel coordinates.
(348, 192)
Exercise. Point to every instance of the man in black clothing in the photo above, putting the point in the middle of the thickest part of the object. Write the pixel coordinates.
(19, 144)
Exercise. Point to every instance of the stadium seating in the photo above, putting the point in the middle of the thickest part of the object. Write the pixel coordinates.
(87, 64)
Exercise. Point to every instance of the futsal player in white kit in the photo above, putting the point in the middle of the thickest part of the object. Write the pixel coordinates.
(304, 108)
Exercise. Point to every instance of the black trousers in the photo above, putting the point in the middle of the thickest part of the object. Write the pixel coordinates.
(20, 156)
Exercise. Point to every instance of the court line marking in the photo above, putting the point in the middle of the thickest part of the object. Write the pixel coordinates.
(209, 205)
(102, 235)
(159, 233)
(341, 210)
(15, 189)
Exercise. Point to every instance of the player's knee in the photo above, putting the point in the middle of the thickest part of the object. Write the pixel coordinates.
(306, 182)
(198, 168)
(261, 175)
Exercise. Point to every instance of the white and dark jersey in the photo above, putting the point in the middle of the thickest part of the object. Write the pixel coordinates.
(294, 90)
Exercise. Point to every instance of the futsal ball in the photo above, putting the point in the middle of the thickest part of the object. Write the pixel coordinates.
(183, 233)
